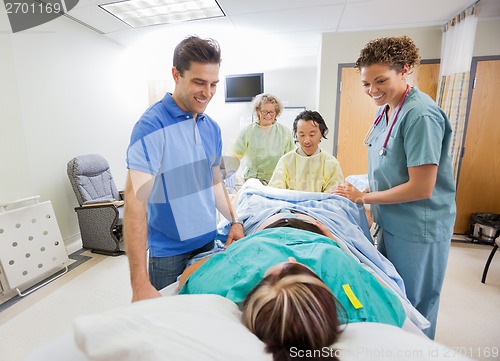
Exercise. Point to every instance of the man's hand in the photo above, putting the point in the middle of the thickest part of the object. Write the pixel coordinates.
(144, 292)
(235, 233)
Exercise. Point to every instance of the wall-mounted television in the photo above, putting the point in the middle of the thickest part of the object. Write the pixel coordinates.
(243, 87)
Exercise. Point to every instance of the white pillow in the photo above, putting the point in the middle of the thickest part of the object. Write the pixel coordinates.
(208, 327)
(184, 327)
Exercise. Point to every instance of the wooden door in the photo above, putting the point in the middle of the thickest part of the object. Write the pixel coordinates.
(355, 118)
(479, 175)
(357, 111)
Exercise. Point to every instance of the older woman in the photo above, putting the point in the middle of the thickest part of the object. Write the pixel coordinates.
(265, 141)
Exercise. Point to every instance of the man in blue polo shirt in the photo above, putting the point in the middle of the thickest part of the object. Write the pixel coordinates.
(174, 184)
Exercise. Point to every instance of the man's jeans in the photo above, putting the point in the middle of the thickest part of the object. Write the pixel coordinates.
(164, 270)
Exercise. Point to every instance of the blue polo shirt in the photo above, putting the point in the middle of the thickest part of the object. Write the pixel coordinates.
(179, 152)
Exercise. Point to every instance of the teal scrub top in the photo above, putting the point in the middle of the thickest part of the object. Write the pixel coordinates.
(234, 272)
(421, 135)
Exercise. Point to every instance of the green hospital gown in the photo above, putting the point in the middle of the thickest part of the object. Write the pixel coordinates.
(234, 272)
(263, 147)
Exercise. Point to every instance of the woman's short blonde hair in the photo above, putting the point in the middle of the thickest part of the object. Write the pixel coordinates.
(260, 99)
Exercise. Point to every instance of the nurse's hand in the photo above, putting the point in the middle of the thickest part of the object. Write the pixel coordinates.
(350, 192)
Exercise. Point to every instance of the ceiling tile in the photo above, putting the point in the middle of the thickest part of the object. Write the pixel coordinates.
(99, 19)
(292, 24)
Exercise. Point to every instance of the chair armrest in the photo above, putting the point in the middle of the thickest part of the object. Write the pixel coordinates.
(98, 204)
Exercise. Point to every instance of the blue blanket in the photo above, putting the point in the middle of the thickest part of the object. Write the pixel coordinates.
(345, 219)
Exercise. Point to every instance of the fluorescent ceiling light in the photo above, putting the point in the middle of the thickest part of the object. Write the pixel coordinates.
(138, 13)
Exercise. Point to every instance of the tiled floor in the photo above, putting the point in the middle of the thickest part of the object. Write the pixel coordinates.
(468, 321)
(76, 259)
(99, 284)
(469, 313)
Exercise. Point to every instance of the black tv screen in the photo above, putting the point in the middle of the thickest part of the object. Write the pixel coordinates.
(243, 87)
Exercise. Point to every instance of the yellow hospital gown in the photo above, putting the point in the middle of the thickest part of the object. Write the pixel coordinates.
(263, 147)
(319, 172)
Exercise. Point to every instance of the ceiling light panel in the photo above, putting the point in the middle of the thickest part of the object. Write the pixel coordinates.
(140, 13)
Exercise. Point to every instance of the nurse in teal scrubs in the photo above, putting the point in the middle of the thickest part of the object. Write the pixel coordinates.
(412, 190)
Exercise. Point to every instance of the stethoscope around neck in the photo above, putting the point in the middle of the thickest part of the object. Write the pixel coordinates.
(383, 150)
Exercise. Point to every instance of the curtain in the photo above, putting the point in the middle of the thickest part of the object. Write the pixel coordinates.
(456, 57)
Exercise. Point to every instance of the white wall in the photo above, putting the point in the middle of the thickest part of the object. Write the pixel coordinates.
(486, 42)
(291, 78)
(294, 86)
(64, 91)
(15, 181)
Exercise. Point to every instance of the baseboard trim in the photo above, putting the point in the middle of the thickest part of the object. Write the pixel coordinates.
(73, 243)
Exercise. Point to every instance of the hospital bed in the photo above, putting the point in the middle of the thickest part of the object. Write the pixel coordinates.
(208, 327)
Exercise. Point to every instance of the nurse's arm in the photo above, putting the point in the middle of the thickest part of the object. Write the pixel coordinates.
(420, 185)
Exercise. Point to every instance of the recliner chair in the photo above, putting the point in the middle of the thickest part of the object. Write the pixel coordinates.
(100, 213)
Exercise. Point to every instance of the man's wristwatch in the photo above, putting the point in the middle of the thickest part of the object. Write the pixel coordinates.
(237, 221)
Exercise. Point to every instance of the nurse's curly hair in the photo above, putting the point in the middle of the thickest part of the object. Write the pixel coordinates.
(395, 52)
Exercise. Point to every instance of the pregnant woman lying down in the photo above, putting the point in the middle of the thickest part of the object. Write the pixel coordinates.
(295, 287)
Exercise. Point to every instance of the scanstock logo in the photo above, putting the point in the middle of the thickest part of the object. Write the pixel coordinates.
(26, 14)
